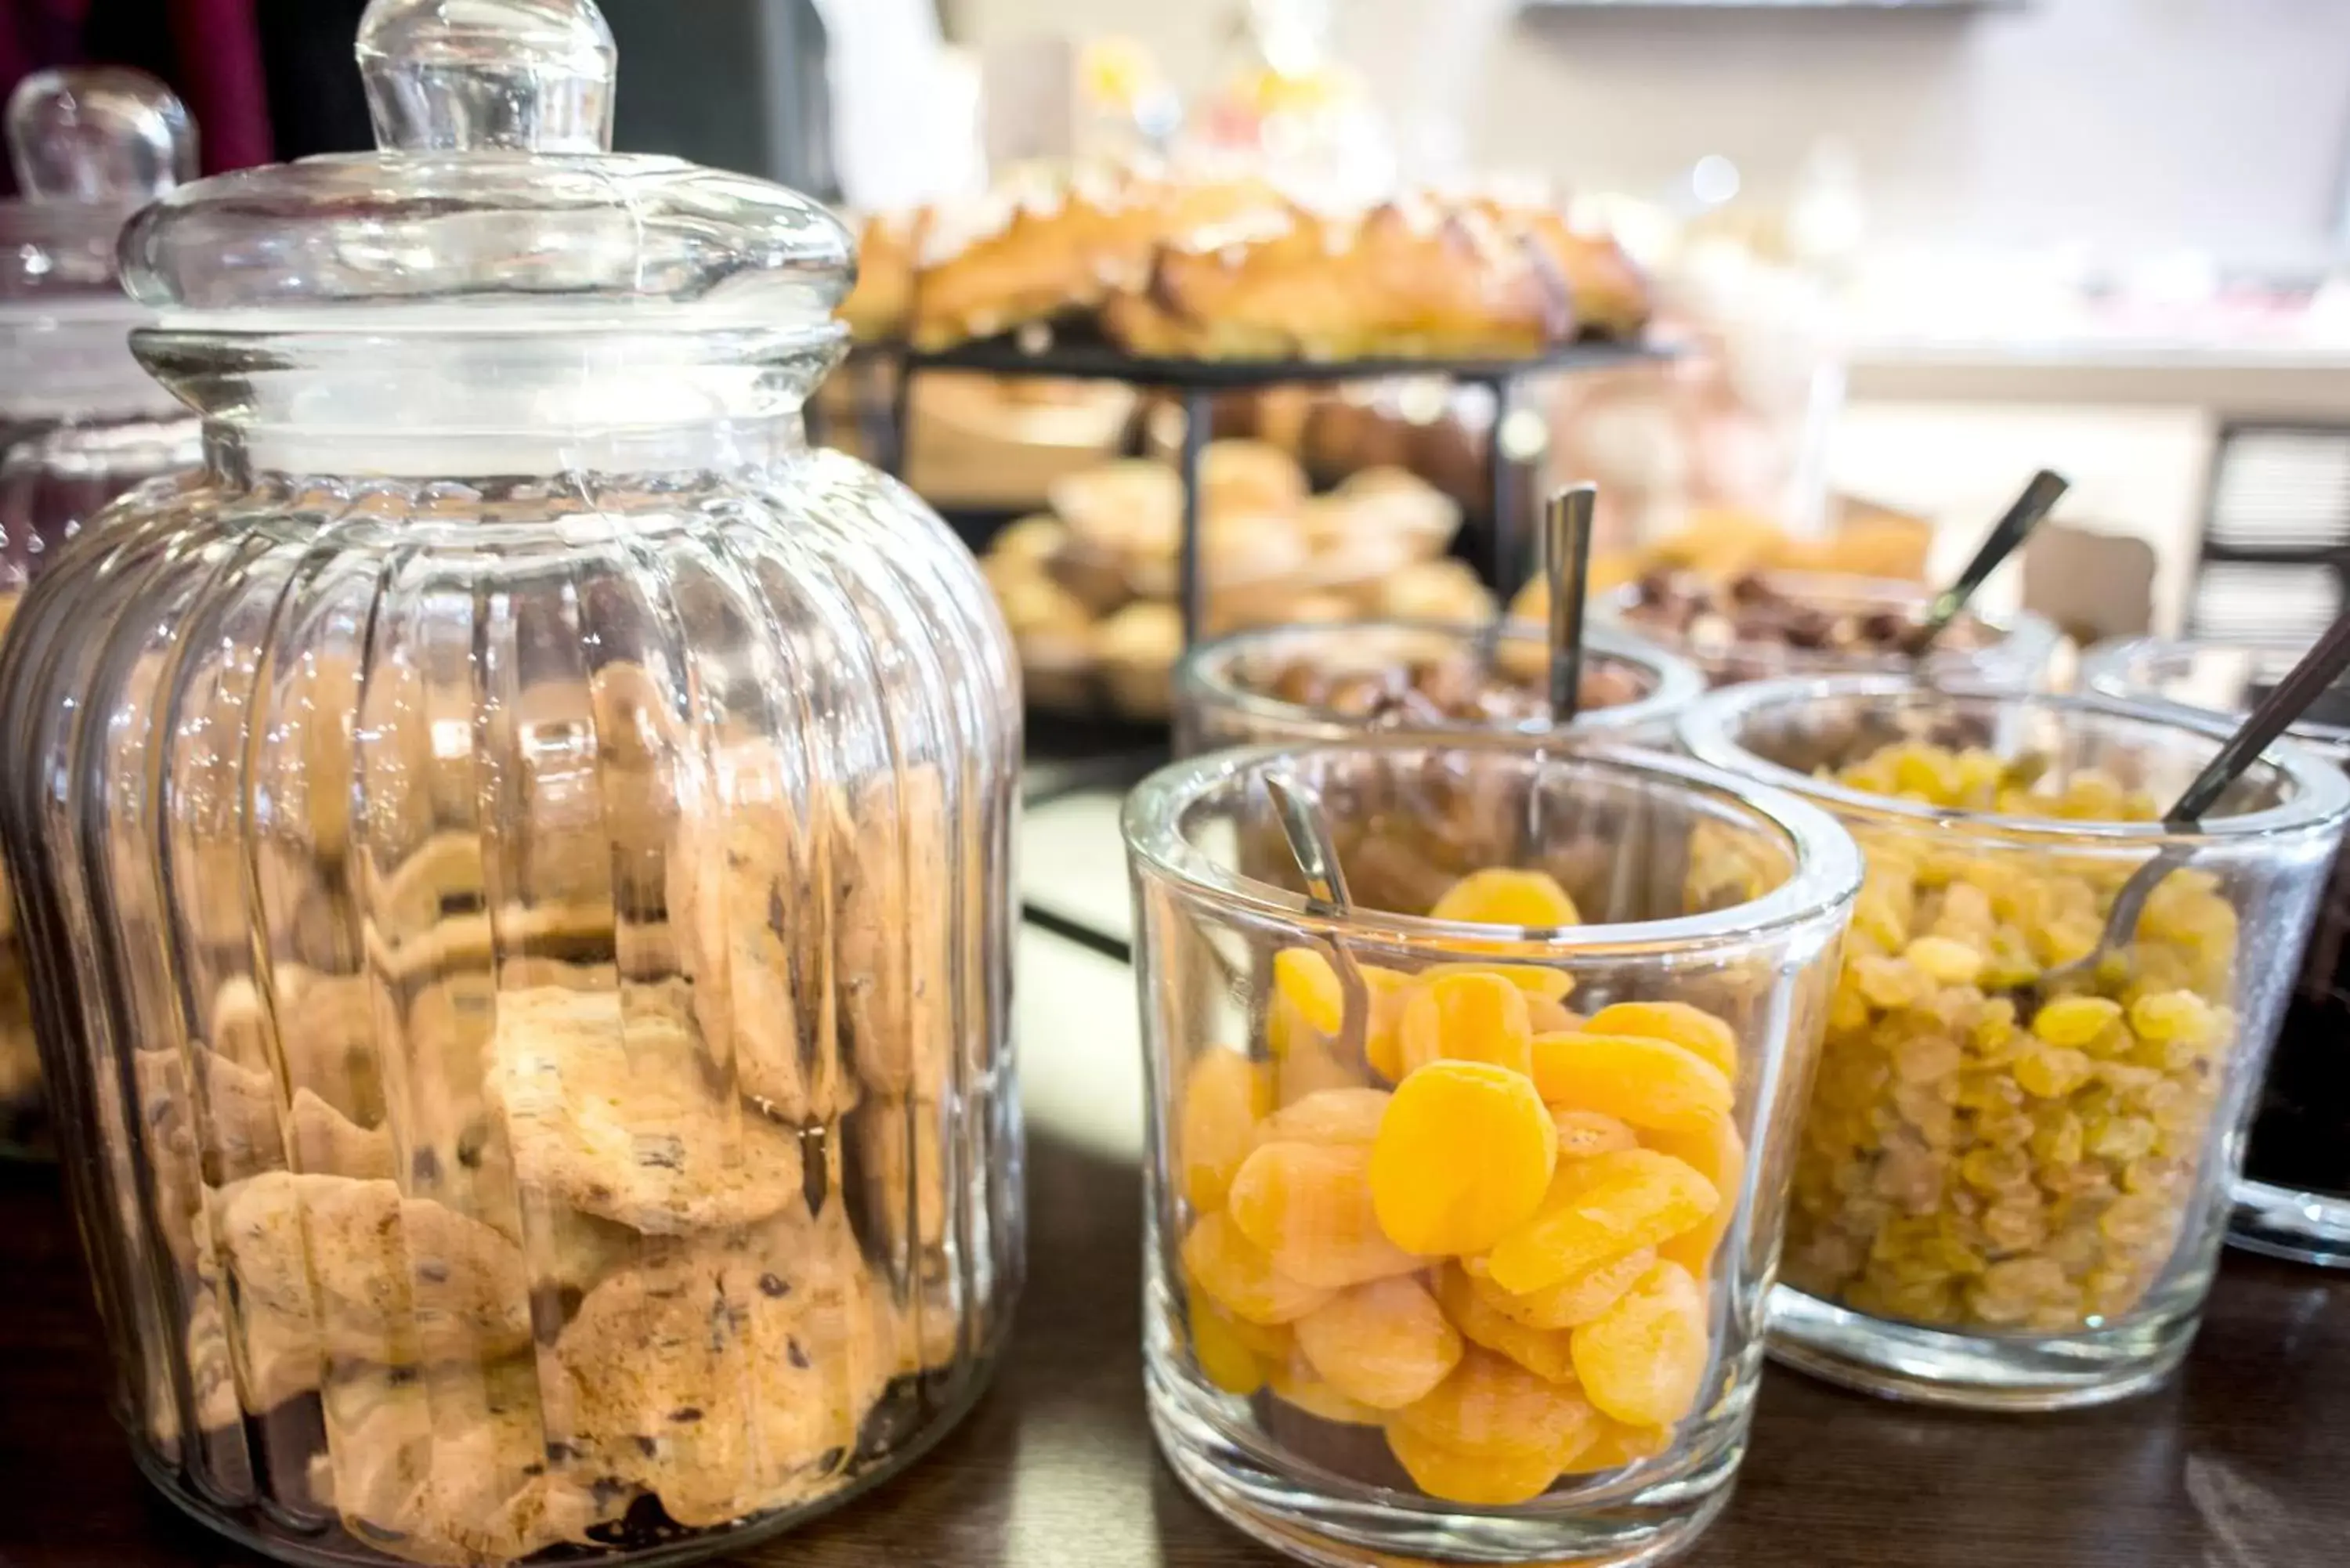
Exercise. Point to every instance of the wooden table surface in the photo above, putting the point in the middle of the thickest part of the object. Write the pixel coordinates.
(2243, 1461)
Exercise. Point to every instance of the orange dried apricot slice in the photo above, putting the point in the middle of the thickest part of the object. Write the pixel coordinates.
(1224, 1094)
(1549, 1355)
(1491, 1404)
(1539, 984)
(1716, 1152)
(1304, 979)
(1619, 1444)
(1505, 898)
(1571, 1303)
(1224, 1359)
(1308, 1206)
(1326, 1115)
(1309, 1067)
(1584, 1133)
(1463, 1157)
(1481, 1480)
(1466, 1018)
(1643, 1359)
(1596, 1211)
(1547, 1017)
(1294, 1384)
(1693, 1029)
(1269, 1341)
(1383, 1344)
(1238, 1276)
(1647, 1083)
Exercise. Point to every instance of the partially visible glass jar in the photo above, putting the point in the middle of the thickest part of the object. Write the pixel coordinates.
(2294, 1199)
(513, 855)
(1766, 625)
(79, 421)
(1294, 684)
(1461, 1210)
(2012, 1183)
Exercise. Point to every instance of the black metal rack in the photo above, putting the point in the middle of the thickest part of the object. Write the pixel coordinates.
(1197, 382)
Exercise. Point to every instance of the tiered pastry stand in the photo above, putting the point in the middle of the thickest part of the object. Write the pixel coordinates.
(1196, 384)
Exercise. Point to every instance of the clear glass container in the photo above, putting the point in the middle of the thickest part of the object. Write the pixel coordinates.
(513, 855)
(2013, 1176)
(79, 421)
(1301, 684)
(2293, 1201)
(1509, 1310)
(2007, 651)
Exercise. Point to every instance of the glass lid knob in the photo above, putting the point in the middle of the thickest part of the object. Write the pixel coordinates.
(104, 135)
(516, 75)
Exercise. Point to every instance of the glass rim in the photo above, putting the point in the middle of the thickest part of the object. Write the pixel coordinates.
(1202, 676)
(1826, 878)
(2106, 671)
(2017, 629)
(2321, 796)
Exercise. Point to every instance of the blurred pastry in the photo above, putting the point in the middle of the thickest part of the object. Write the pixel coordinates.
(1249, 476)
(878, 308)
(1134, 504)
(1609, 295)
(1447, 591)
(1036, 538)
(1136, 649)
(1399, 500)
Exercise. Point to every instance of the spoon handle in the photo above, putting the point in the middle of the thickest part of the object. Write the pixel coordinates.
(1566, 569)
(2286, 701)
(1310, 845)
(2039, 499)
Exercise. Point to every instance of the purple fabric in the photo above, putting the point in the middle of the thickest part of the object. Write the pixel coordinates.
(219, 78)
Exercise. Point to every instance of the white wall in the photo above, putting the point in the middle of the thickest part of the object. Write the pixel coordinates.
(2124, 124)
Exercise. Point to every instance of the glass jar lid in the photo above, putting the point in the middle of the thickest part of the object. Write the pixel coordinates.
(494, 190)
(90, 146)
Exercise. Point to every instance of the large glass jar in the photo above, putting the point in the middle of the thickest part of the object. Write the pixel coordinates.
(1296, 684)
(513, 855)
(1463, 1209)
(2014, 1171)
(79, 421)
(2294, 1199)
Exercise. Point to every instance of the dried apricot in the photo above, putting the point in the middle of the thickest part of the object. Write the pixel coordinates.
(1294, 1384)
(1224, 1359)
(1573, 1301)
(1491, 1404)
(1463, 1157)
(1547, 1354)
(1643, 1359)
(1481, 1480)
(1582, 1132)
(1646, 1082)
(1311, 1065)
(1383, 1344)
(1717, 1153)
(1223, 1095)
(1693, 1029)
(1239, 1276)
(1466, 1018)
(1538, 982)
(1547, 1017)
(1598, 1209)
(1506, 898)
(1268, 1341)
(1326, 1115)
(1309, 1207)
(1619, 1444)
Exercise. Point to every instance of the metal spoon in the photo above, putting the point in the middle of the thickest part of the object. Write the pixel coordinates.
(1306, 826)
(1566, 571)
(2286, 701)
(2030, 509)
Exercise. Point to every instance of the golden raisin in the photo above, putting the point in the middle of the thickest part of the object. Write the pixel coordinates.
(1466, 1017)
(1506, 898)
(1223, 1095)
(1238, 1276)
(1643, 1359)
(1598, 1209)
(1308, 1206)
(1646, 1082)
(2076, 1019)
(1691, 1028)
(1383, 1344)
(1463, 1157)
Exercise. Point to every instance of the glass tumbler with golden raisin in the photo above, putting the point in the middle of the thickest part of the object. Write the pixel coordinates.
(1463, 1200)
(2010, 1185)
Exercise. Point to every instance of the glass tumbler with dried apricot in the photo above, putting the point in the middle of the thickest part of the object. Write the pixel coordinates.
(2012, 1179)
(1464, 1199)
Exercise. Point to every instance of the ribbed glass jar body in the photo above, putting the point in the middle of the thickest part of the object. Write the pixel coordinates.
(524, 964)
